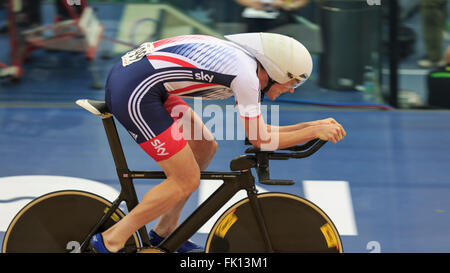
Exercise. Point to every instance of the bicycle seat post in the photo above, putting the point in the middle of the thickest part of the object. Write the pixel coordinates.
(115, 145)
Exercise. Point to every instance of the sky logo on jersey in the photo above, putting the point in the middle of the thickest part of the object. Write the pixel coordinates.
(204, 77)
(158, 145)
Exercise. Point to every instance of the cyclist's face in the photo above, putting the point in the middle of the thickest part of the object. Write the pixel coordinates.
(277, 89)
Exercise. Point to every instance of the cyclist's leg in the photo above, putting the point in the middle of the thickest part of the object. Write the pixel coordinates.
(183, 177)
(142, 112)
(202, 143)
(205, 147)
(199, 138)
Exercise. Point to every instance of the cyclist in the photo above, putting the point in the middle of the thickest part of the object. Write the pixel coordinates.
(144, 91)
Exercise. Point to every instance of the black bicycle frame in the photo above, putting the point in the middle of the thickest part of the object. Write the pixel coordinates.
(233, 182)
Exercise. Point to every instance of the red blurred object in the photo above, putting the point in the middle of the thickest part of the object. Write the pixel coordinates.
(82, 32)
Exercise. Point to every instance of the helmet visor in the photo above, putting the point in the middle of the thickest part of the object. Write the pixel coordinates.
(295, 83)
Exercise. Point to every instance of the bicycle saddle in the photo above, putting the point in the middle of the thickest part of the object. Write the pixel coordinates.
(96, 107)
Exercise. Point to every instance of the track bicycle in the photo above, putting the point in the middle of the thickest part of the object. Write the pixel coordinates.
(64, 221)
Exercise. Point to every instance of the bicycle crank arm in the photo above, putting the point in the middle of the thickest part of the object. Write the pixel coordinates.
(280, 182)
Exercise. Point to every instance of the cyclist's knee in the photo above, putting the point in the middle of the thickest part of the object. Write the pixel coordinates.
(188, 182)
(209, 148)
(204, 149)
(210, 145)
(213, 147)
(183, 170)
(192, 180)
(187, 175)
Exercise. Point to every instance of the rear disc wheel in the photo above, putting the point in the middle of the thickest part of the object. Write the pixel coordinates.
(59, 222)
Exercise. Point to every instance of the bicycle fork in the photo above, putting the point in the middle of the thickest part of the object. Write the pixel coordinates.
(252, 193)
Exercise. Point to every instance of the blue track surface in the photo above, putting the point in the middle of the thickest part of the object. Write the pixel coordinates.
(396, 164)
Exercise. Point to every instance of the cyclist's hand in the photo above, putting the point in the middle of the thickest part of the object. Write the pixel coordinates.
(326, 121)
(330, 132)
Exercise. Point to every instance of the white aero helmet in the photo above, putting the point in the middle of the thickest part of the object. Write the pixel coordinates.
(283, 57)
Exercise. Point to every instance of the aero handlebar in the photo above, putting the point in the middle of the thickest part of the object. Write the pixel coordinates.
(262, 159)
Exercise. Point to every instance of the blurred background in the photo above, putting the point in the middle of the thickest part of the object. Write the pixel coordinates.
(381, 67)
(368, 51)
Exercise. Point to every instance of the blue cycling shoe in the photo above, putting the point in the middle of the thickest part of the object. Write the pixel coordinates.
(187, 247)
(97, 245)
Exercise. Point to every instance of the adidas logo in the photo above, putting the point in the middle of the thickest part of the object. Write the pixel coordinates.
(135, 136)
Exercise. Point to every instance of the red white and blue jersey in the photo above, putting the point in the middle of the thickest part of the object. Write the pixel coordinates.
(143, 91)
(203, 66)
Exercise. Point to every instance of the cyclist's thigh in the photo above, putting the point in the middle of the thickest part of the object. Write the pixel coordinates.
(192, 126)
(137, 102)
(195, 128)
(200, 139)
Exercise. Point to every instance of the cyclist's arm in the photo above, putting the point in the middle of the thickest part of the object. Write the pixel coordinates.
(261, 136)
(302, 125)
(289, 128)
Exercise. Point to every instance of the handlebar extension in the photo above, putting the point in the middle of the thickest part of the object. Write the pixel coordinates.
(262, 159)
(299, 151)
